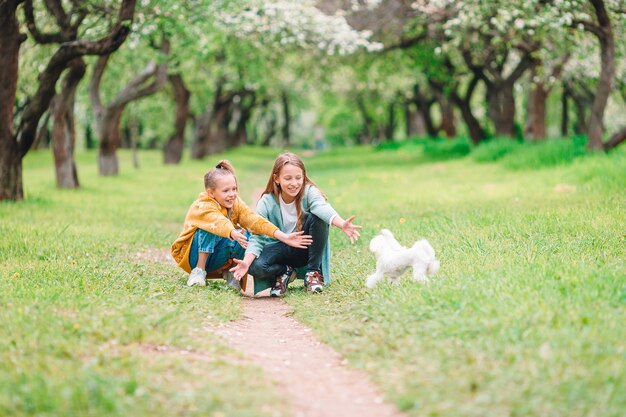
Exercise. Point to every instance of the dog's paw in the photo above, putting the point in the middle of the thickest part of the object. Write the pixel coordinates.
(422, 279)
(371, 281)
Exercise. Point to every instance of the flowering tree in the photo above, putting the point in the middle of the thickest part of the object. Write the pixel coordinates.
(597, 17)
(500, 41)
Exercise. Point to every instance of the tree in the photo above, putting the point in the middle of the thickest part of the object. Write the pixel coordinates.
(108, 117)
(14, 144)
(63, 127)
(173, 150)
(603, 30)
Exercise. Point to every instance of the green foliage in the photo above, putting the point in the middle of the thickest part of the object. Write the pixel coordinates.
(343, 128)
(442, 149)
(545, 154)
(494, 149)
(404, 144)
(429, 149)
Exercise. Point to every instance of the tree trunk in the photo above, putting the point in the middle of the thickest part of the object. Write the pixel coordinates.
(173, 150)
(501, 104)
(287, 119)
(109, 133)
(535, 128)
(133, 138)
(201, 135)
(245, 107)
(43, 138)
(271, 128)
(390, 127)
(423, 103)
(368, 123)
(607, 73)
(218, 128)
(211, 133)
(500, 96)
(108, 118)
(618, 138)
(10, 155)
(10, 172)
(63, 129)
(415, 124)
(476, 132)
(564, 114)
(448, 124)
(580, 127)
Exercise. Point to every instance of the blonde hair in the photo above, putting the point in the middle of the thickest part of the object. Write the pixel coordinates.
(222, 169)
(273, 188)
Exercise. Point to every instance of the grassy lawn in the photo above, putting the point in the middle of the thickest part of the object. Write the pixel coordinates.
(525, 318)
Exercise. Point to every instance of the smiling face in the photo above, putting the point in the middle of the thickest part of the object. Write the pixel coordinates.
(225, 191)
(290, 180)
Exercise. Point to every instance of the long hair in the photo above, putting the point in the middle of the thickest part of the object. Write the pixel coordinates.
(222, 168)
(273, 188)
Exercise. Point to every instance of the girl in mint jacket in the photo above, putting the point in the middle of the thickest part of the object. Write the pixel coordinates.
(293, 203)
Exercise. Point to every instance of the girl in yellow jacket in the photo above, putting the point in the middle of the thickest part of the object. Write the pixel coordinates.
(213, 232)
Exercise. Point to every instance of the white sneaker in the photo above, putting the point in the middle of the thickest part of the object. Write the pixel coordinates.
(230, 279)
(197, 277)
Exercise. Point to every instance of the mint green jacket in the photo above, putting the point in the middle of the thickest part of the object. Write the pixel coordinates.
(312, 202)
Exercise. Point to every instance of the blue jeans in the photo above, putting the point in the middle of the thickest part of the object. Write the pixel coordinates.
(276, 256)
(220, 250)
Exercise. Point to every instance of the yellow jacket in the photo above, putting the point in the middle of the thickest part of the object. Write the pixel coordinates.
(207, 214)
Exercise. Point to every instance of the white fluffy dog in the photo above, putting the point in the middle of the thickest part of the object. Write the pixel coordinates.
(393, 259)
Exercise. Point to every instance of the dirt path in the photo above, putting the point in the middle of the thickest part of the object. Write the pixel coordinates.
(312, 376)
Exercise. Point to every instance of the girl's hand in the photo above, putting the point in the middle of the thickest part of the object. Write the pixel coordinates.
(240, 269)
(239, 237)
(296, 239)
(351, 230)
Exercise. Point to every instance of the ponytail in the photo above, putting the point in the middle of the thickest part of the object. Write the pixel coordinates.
(222, 168)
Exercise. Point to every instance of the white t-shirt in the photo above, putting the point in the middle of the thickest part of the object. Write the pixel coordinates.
(289, 213)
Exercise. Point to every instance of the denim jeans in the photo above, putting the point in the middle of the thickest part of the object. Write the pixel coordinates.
(220, 249)
(276, 256)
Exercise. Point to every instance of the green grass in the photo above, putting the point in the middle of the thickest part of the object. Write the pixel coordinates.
(90, 325)
(525, 317)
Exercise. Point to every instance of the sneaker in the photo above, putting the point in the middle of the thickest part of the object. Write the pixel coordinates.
(230, 279)
(197, 277)
(280, 285)
(314, 281)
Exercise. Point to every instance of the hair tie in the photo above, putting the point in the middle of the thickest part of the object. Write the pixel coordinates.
(219, 166)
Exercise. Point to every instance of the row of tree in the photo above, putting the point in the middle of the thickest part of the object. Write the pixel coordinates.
(481, 58)
(241, 70)
(47, 45)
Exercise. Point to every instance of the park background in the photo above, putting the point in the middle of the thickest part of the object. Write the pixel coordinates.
(493, 130)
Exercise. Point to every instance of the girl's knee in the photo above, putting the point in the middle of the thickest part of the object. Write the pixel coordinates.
(260, 269)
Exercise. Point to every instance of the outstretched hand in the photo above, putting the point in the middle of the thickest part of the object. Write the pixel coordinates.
(240, 269)
(351, 230)
(298, 240)
(239, 237)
